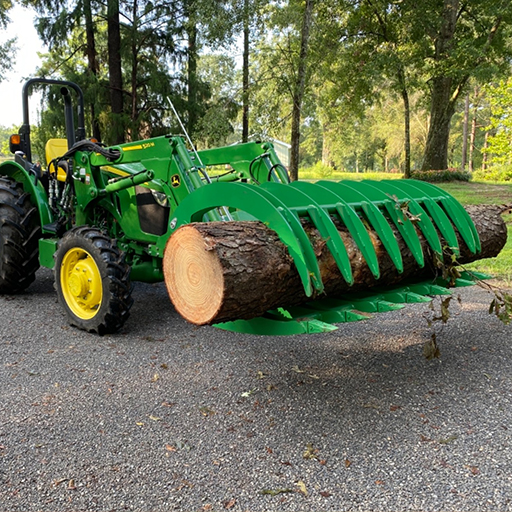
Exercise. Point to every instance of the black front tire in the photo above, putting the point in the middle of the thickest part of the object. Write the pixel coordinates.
(20, 231)
(92, 280)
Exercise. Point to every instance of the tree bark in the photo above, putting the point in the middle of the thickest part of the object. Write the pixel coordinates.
(444, 93)
(441, 113)
(115, 72)
(298, 91)
(92, 64)
(134, 114)
(407, 132)
(192, 90)
(484, 151)
(220, 271)
(245, 75)
(327, 158)
(465, 134)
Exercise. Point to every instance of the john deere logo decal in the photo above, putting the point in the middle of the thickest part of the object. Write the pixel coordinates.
(175, 180)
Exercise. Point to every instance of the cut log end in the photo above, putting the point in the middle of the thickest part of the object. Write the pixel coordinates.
(193, 276)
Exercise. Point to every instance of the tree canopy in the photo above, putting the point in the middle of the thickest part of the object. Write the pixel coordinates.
(365, 84)
(7, 47)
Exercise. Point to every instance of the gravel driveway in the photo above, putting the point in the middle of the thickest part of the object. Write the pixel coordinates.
(166, 416)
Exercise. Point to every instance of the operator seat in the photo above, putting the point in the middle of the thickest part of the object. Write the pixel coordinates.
(54, 149)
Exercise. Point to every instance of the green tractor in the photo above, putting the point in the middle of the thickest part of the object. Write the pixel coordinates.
(101, 217)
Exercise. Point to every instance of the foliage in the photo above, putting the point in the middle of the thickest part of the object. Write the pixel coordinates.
(501, 306)
(500, 142)
(308, 173)
(370, 74)
(375, 46)
(441, 176)
(155, 55)
(7, 48)
(497, 172)
(217, 124)
(5, 133)
(321, 171)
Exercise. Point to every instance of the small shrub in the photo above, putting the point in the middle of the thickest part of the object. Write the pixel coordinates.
(322, 171)
(442, 176)
(495, 173)
(317, 172)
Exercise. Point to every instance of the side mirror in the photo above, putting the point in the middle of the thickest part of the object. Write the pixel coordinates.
(15, 143)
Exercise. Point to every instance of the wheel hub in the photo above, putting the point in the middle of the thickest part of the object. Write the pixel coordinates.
(77, 285)
(81, 283)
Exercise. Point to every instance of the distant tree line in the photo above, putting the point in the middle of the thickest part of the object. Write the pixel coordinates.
(355, 84)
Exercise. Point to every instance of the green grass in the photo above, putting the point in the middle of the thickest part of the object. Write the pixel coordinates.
(307, 174)
(501, 266)
(479, 192)
(488, 193)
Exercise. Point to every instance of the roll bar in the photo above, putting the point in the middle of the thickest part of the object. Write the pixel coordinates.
(72, 137)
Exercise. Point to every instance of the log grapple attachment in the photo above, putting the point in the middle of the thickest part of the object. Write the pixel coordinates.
(401, 214)
(413, 207)
(237, 244)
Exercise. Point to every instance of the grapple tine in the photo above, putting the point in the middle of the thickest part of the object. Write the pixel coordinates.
(302, 237)
(455, 211)
(404, 225)
(300, 202)
(374, 216)
(424, 223)
(335, 204)
(259, 204)
(438, 215)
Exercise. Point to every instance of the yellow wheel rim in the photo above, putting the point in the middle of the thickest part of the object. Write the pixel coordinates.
(81, 283)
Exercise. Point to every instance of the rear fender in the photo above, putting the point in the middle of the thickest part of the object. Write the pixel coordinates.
(36, 191)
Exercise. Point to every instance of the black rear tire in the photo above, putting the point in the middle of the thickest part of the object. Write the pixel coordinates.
(20, 231)
(92, 280)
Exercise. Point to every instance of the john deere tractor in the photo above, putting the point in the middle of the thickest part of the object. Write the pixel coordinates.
(101, 217)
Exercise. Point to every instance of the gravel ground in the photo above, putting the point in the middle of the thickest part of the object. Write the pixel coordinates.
(166, 416)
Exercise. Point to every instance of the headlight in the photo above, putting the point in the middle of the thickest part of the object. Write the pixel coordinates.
(161, 198)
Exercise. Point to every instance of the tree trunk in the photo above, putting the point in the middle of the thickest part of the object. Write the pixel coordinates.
(441, 112)
(192, 100)
(134, 76)
(444, 93)
(484, 151)
(298, 91)
(472, 137)
(465, 134)
(446, 89)
(220, 271)
(115, 72)
(472, 143)
(407, 134)
(407, 125)
(245, 75)
(327, 158)
(92, 64)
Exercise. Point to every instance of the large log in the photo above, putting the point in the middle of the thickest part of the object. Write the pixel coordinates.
(221, 271)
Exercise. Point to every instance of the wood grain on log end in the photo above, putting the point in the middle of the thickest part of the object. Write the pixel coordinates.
(193, 276)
